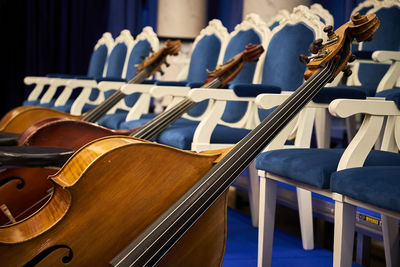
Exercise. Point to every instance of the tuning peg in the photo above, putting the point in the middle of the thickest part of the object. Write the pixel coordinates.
(142, 57)
(167, 64)
(316, 46)
(329, 30)
(161, 72)
(303, 58)
(352, 58)
(347, 71)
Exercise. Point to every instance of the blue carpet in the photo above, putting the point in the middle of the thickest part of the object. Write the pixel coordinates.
(241, 247)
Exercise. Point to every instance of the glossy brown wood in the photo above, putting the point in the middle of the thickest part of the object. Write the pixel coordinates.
(24, 190)
(360, 27)
(71, 134)
(20, 118)
(114, 197)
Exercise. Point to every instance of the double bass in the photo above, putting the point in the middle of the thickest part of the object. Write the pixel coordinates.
(124, 201)
(18, 202)
(21, 118)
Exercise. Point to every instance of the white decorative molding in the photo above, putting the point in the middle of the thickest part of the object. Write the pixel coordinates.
(320, 11)
(303, 14)
(105, 39)
(366, 3)
(149, 35)
(282, 14)
(214, 27)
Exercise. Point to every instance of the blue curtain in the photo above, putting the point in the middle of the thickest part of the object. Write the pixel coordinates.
(228, 11)
(340, 9)
(47, 36)
(132, 15)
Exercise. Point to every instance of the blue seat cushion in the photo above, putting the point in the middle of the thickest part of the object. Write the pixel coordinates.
(31, 103)
(66, 107)
(181, 136)
(377, 185)
(315, 166)
(113, 121)
(49, 104)
(391, 94)
(328, 94)
(145, 118)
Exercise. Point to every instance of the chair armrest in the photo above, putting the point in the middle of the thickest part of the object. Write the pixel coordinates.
(136, 88)
(375, 106)
(110, 85)
(30, 80)
(382, 56)
(82, 83)
(161, 91)
(375, 110)
(252, 90)
(200, 94)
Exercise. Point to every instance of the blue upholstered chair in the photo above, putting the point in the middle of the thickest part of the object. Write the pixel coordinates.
(90, 95)
(205, 55)
(366, 73)
(251, 30)
(314, 169)
(45, 87)
(281, 71)
(145, 42)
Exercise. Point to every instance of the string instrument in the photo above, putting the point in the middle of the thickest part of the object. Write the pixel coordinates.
(74, 134)
(124, 201)
(21, 118)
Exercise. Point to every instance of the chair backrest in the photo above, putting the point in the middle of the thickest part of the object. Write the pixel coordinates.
(280, 64)
(363, 7)
(205, 55)
(97, 63)
(324, 15)
(115, 61)
(251, 30)
(387, 37)
(144, 43)
(274, 21)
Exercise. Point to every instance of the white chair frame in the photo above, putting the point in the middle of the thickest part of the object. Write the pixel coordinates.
(176, 93)
(354, 156)
(83, 98)
(54, 83)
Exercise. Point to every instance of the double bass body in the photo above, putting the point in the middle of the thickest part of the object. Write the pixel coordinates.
(105, 200)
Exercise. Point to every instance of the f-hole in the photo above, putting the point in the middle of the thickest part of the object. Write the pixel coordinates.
(39, 257)
(20, 185)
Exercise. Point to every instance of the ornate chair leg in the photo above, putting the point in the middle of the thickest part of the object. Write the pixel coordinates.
(345, 215)
(266, 223)
(306, 218)
(390, 231)
(254, 193)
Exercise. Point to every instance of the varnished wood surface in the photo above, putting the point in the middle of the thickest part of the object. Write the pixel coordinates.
(19, 119)
(23, 190)
(66, 133)
(115, 198)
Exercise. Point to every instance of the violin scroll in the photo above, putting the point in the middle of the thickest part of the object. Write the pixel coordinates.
(227, 71)
(154, 62)
(338, 44)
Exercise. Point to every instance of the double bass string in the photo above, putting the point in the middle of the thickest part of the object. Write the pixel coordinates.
(159, 123)
(98, 111)
(321, 79)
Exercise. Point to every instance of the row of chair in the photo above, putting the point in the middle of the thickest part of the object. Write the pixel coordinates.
(223, 117)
